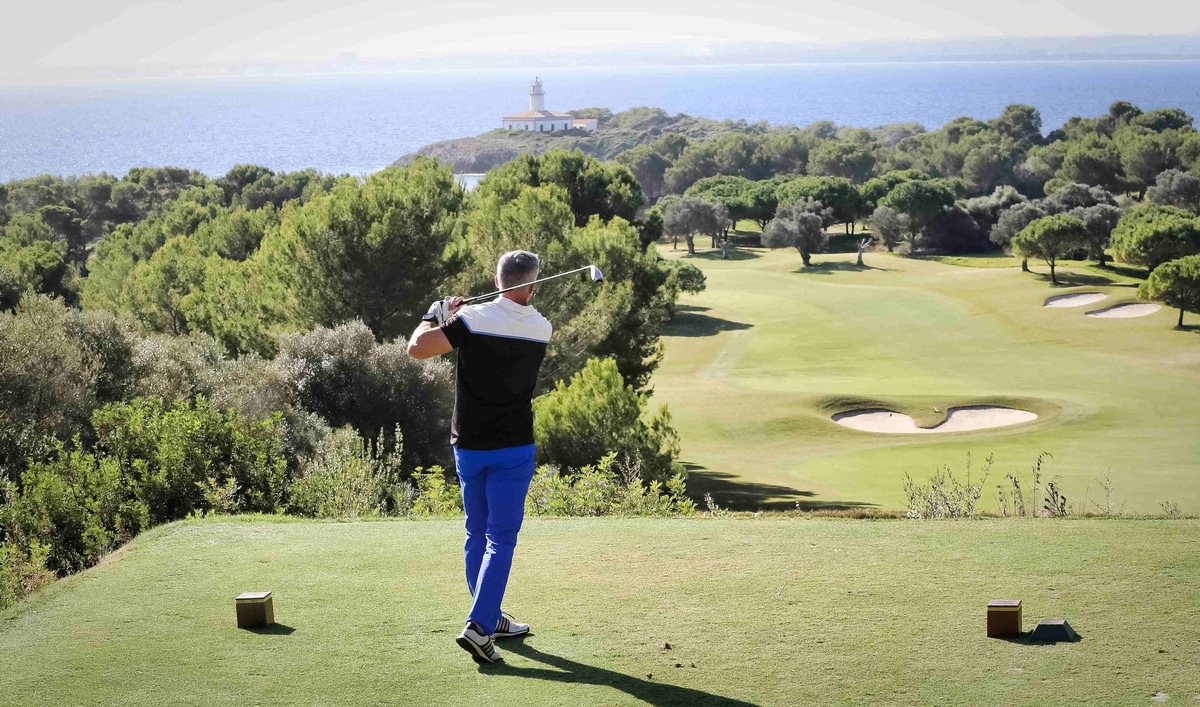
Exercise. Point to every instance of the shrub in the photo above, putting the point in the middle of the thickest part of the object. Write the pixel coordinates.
(303, 433)
(22, 571)
(77, 505)
(691, 278)
(1054, 504)
(253, 386)
(946, 496)
(176, 367)
(56, 365)
(47, 381)
(593, 414)
(432, 494)
(348, 378)
(605, 489)
(1023, 503)
(166, 454)
(222, 498)
(343, 479)
(956, 231)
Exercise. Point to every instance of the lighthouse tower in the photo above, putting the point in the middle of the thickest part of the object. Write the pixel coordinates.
(540, 120)
(537, 97)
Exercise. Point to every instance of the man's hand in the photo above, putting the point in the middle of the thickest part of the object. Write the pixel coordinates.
(441, 310)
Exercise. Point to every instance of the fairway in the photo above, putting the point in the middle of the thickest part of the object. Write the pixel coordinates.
(758, 363)
(760, 611)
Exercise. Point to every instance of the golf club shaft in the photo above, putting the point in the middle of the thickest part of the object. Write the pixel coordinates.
(477, 298)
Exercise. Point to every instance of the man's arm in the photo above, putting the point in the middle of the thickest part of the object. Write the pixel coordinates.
(428, 339)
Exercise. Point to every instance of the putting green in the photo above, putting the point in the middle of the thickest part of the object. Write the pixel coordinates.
(757, 364)
(756, 611)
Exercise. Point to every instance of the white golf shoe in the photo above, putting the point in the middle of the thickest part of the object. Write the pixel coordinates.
(481, 646)
(506, 627)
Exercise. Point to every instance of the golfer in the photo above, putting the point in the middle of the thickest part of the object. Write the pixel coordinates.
(500, 347)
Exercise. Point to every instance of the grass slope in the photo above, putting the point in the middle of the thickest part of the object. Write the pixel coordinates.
(757, 363)
(768, 611)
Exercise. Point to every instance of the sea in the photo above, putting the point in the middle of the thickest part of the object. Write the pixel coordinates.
(358, 124)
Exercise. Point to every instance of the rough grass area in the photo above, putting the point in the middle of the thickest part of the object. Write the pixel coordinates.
(756, 365)
(756, 611)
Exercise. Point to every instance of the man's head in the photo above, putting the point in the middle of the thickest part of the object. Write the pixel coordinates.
(516, 268)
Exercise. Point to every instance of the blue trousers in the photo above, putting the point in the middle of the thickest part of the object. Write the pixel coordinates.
(494, 483)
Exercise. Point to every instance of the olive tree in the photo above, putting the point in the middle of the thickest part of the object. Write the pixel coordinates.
(690, 216)
(1176, 188)
(1012, 222)
(890, 225)
(1099, 220)
(797, 225)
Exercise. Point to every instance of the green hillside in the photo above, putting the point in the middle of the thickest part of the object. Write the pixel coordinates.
(756, 611)
(615, 134)
(756, 365)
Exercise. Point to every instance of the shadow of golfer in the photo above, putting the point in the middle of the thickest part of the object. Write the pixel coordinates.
(648, 691)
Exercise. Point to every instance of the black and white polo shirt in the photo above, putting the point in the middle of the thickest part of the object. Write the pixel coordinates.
(500, 347)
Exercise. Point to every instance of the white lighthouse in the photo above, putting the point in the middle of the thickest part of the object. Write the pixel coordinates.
(538, 119)
(537, 97)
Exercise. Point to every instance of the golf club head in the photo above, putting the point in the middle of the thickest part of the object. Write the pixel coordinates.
(595, 274)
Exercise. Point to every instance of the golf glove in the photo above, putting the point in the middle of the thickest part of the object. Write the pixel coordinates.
(438, 312)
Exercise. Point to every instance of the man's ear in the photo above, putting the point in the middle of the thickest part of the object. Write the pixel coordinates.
(496, 279)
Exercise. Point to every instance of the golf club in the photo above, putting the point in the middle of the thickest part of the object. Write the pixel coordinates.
(593, 272)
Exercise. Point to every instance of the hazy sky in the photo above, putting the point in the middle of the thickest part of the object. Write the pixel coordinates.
(60, 40)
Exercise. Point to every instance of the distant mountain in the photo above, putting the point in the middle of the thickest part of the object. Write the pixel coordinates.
(1115, 47)
(1107, 47)
(1110, 47)
(614, 134)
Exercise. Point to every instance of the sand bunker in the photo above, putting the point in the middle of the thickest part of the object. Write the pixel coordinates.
(1076, 300)
(960, 419)
(1125, 311)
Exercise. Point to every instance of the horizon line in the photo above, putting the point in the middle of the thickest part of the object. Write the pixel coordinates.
(231, 75)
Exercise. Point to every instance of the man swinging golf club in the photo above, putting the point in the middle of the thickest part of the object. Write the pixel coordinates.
(500, 347)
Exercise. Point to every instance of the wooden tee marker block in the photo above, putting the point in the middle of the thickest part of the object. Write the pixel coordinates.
(254, 610)
(1004, 618)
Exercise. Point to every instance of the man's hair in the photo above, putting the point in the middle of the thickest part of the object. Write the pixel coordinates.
(517, 267)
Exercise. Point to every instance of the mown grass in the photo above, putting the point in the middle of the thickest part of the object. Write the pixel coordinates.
(756, 611)
(756, 365)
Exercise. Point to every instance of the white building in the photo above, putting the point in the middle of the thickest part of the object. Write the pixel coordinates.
(538, 119)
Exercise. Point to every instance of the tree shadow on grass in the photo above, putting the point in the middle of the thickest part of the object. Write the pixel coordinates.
(843, 242)
(570, 671)
(746, 239)
(688, 321)
(1073, 279)
(735, 253)
(830, 267)
(736, 494)
(1137, 273)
